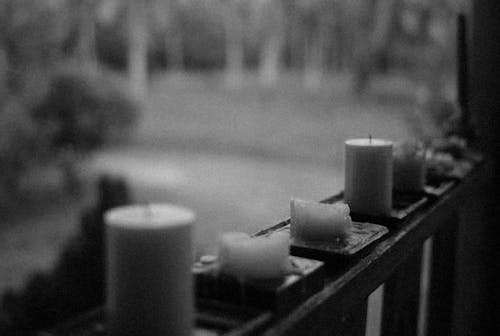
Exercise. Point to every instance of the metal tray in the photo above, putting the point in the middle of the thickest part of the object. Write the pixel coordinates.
(404, 205)
(363, 234)
(279, 295)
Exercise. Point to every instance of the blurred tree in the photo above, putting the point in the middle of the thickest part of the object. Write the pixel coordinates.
(3, 72)
(20, 147)
(138, 40)
(29, 42)
(271, 20)
(76, 283)
(409, 35)
(168, 16)
(87, 16)
(80, 107)
(33, 34)
(373, 25)
(51, 113)
(316, 19)
(233, 17)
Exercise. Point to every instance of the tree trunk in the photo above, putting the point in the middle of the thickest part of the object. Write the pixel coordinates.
(371, 38)
(234, 48)
(174, 47)
(85, 50)
(137, 48)
(4, 68)
(175, 51)
(296, 38)
(314, 65)
(384, 13)
(272, 14)
(270, 60)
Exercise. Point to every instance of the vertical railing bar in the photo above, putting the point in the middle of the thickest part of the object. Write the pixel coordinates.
(375, 311)
(442, 281)
(402, 297)
(424, 287)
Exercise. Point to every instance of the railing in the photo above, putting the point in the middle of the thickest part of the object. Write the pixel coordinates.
(395, 261)
(341, 307)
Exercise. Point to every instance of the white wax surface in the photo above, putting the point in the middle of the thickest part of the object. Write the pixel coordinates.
(149, 280)
(363, 143)
(149, 216)
(254, 257)
(313, 221)
(369, 176)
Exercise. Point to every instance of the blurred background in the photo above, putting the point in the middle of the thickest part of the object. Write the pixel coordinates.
(230, 107)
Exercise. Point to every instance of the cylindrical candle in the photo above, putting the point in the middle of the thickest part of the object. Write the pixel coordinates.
(263, 257)
(314, 221)
(409, 168)
(149, 280)
(368, 176)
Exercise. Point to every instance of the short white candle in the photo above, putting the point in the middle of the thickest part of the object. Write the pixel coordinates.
(368, 176)
(313, 221)
(149, 280)
(409, 167)
(263, 257)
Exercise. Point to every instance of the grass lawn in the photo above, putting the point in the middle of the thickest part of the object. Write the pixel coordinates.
(197, 112)
(235, 155)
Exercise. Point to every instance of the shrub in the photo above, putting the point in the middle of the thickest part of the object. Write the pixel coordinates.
(82, 108)
(77, 281)
(20, 146)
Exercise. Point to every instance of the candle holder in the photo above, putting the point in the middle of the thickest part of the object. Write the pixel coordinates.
(279, 295)
(338, 251)
(212, 318)
(403, 206)
(409, 167)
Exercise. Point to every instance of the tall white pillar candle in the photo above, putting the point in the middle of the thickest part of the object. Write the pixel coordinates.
(149, 281)
(368, 176)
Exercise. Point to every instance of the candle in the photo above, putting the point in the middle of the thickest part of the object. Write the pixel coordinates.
(263, 257)
(409, 167)
(368, 176)
(313, 221)
(149, 280)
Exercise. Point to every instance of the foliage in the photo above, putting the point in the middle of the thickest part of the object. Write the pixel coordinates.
(52, 109)
(203, 37)
(201, 33)
(81, 108)
(80, 111)
(20, 145)
(76, 284)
